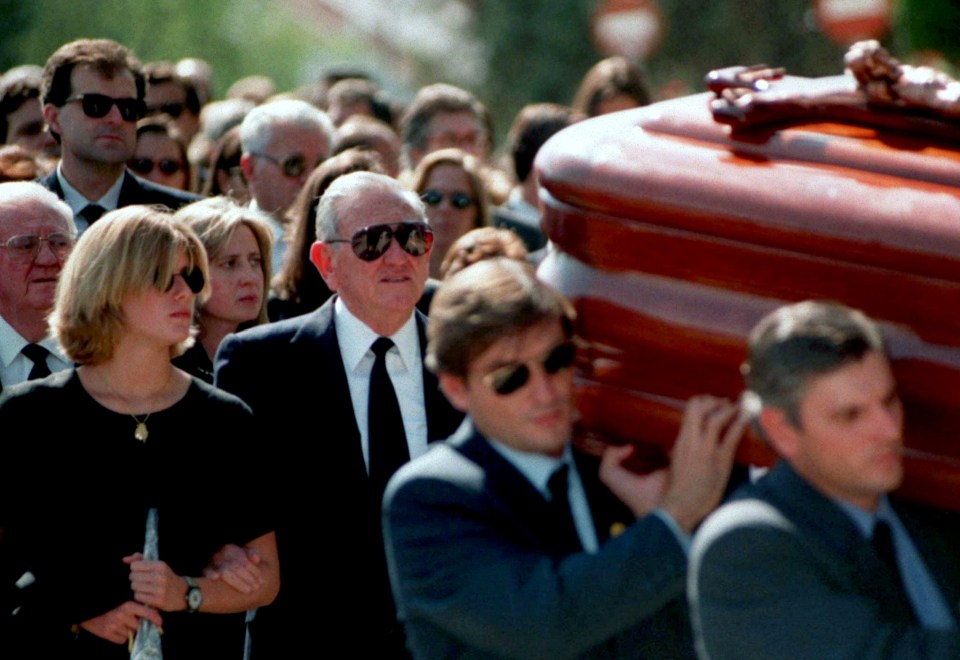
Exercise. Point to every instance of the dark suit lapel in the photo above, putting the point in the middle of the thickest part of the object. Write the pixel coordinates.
(828, 529)
(442, 418)
(130, 191)
(509, 490)
(52, 183)
(318, 338)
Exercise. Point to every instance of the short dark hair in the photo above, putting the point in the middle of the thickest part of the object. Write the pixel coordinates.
(608, 78)
(17, 86)
(105, 56)
(433, 100)
(798, 342)
(481, 304)
(534, 125)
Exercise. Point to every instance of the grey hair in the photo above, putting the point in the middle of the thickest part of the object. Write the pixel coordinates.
(349, 187)
(15, 193)
(256, 130)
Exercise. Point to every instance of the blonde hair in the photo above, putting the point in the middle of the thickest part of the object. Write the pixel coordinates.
(124, 253)
(215, 221)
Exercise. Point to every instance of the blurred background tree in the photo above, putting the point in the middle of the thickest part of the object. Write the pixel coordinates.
(510, 52)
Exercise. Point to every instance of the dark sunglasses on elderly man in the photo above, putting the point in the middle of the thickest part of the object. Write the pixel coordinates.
(291, 166)
(96, 106)
(371, 242)
(512, 377)
(193, 278)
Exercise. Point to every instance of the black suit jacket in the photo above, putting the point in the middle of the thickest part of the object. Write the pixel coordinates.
(134, 191)
(477, 574)
(331, 551)
(782, 572)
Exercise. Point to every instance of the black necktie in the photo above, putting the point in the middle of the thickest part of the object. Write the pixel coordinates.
(567, 537)
(387, 440)
(38, 355)
(883, 545)
(92, 212)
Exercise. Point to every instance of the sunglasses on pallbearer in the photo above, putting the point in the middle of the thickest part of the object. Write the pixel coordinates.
(512, 377)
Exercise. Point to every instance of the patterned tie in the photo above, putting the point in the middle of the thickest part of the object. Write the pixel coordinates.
(92, 212)
(567, 537)
(38, 355)
(388, 441)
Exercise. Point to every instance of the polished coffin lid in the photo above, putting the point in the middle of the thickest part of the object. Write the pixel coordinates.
(676, 233)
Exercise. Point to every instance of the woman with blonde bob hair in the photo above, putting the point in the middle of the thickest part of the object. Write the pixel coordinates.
(238, 245)
(122, 433)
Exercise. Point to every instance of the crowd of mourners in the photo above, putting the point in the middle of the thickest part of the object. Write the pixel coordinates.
(304, 328)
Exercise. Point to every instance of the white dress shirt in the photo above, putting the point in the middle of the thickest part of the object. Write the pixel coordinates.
(15, 367)
(404, 366)
(77, 202)
(279, 250)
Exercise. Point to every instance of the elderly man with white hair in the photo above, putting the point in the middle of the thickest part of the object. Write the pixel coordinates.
(282, 142)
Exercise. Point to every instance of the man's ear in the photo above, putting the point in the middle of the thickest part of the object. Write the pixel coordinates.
(780, 432)
(322, 258)
(455, 389)
(51, 114)
(246, 166)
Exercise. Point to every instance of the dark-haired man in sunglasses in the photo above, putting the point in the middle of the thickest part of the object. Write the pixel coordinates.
(93, 91)
(345, 383)
(504, 541)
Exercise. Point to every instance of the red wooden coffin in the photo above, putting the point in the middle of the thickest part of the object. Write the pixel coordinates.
(679, 225)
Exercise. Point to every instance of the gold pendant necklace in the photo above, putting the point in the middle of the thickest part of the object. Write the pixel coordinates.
(141, 433)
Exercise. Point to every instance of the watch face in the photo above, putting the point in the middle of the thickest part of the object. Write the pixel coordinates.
(194, 599)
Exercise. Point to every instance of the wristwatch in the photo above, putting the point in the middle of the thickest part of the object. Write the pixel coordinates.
(194, 594)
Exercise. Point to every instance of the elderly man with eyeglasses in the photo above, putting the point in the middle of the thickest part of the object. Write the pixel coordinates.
(347, 400)
(92, 92)
(36, 235)
(506, 542)
(282, 141)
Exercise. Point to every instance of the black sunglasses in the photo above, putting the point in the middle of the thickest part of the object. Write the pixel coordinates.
(292, 166)
(458, 200)
(193, 278)
(96, 106)
(145, 165)
(371, 242)
(512, 377)
(172, 109)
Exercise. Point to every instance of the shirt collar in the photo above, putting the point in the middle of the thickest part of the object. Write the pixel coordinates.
(76, 201)
(355, 338)
(11, 343)
(864, 519)
(537, 468)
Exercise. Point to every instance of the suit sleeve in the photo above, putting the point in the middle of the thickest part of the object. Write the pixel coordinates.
(757, 590)
(455, 567)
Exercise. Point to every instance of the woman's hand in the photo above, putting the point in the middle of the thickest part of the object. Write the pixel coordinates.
(238, 567)
(119, 623)
(154, 583)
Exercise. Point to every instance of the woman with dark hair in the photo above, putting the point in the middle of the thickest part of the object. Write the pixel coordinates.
(125, 432)
(610, 85)
(160, 156)
(225, 176)
(238, 245)
(449, 183)
(298, 287)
